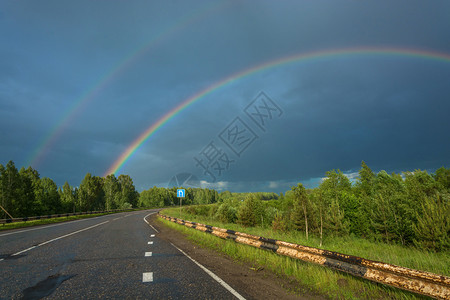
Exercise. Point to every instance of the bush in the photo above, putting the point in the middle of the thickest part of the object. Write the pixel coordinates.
(226, 213)
(251, 212)
(280, 223)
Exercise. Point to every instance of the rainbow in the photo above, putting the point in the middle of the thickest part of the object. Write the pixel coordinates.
(302, 57)
(78, 105)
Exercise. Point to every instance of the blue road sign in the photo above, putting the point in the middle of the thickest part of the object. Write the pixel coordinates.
(181, 193)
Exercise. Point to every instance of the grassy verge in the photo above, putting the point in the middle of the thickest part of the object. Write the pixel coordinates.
(310, 278)
(314, 277)
(409, 257)
(47, 221)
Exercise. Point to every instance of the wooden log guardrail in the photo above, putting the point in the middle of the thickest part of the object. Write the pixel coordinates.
(425, 283)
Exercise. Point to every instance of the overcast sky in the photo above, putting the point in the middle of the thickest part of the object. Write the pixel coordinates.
(132, 62)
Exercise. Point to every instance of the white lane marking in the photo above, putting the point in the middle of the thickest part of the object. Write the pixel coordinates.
(24, 250)
(214, 276)
(147, 277)
(44, 227)
(150, 243)
(117, 218)
(147, 216)
(152, 235)
(58, 238)
(1, 259)
(149, 223)
(148, 254)
(154, 229)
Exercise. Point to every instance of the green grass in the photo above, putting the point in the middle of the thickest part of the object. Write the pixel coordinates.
(311, 277)
(409, 257)
(47, 221)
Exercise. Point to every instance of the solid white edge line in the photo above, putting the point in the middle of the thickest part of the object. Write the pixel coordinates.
(49, 226)
(154, 228)
(147, 277)
(149, 223)
(214, 276)
(28, 249)
(148, 254)
(58, 238)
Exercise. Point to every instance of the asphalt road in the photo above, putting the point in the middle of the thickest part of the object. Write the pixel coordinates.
(107, 257)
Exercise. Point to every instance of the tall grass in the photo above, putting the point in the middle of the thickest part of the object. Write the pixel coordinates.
(310, 278)
(394, 254)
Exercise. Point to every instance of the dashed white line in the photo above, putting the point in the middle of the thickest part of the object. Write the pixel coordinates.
(148, 254)
(152, 235)
(214, 276)
(150, 243)
(147, 277)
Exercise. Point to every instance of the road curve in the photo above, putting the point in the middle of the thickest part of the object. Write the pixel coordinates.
(112, 256)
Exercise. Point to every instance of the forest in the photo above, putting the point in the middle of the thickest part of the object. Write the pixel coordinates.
(410, 208)
(24, 193)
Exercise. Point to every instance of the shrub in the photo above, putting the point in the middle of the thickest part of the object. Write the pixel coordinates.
(226, 213)
(251, 211)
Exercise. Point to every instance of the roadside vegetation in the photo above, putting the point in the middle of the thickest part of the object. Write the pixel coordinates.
(23, 193)
(402, 219)
(309, 278)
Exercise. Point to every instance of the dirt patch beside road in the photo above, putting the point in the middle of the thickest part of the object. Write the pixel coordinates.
(249, 282)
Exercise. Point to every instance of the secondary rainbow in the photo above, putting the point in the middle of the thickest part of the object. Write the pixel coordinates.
(78, 105)
(139, 141)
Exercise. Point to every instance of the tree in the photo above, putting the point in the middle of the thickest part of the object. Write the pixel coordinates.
(337, 196)
(226, 213)
(112, 190)
(29, 182)
(250, 212)
(366, 180)
(300, 206)
(321, 206)
(129, 193)
(68, 199)
(442, 177)
(11, 189)
(47, 197)
(433, 224)
(91, 194)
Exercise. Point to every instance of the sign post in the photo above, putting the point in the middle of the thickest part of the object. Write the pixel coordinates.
(181, 194)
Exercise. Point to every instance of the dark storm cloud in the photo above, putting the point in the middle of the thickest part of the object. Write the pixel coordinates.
(389, 111)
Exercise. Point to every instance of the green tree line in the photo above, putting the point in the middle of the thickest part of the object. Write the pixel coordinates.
(160, 197)
(411, 208)
(24, 193)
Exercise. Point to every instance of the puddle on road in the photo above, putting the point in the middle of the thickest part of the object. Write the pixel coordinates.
(45, 287)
